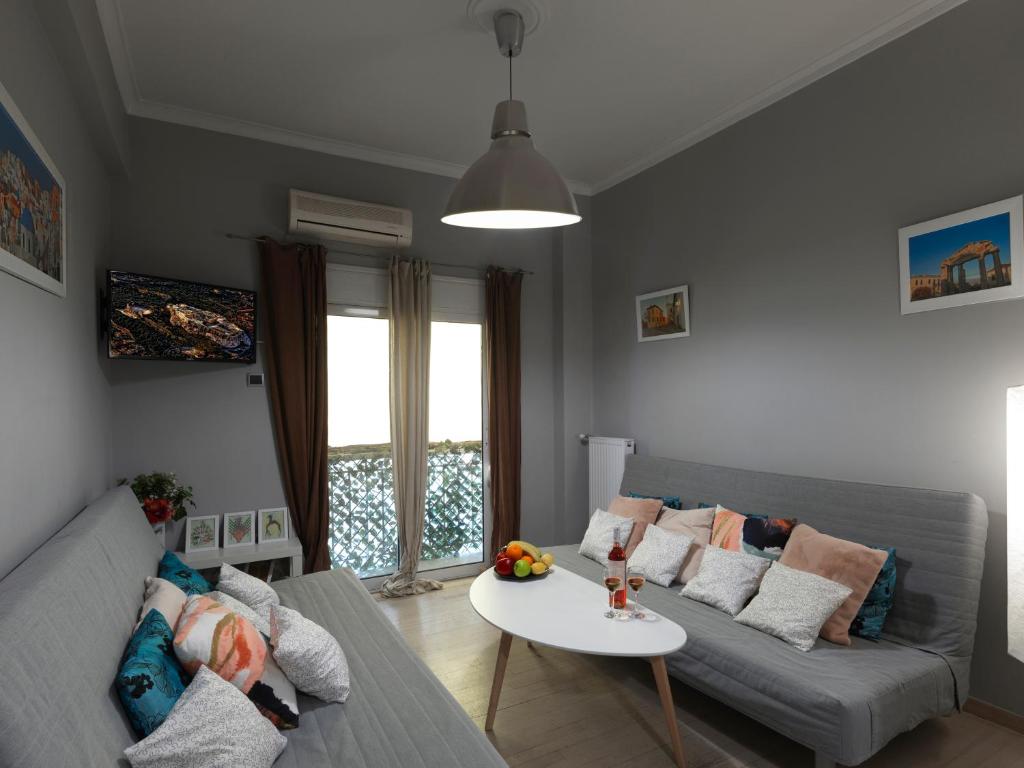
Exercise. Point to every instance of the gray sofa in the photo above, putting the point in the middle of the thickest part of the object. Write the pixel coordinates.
(845, 703)
(65, 617)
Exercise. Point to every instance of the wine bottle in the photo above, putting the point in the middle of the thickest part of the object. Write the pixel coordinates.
(617, 567)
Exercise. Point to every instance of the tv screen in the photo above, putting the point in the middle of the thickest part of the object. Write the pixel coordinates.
(157, 318)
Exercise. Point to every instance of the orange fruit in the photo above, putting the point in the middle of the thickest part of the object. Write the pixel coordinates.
(514, 551)
(528, 559)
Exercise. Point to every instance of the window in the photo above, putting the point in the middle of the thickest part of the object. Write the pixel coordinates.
(363, 532)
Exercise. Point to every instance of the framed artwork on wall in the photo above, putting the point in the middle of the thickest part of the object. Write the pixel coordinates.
(663, 314)
(964, 258)
(240, 529)
(273, 525)
(202, 533)
(33, 205)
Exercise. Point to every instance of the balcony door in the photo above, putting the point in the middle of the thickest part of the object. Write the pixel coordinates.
(363, 531)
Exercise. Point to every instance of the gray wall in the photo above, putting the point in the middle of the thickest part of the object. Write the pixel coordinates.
(784, 227)
(54, 400)
(189, 187)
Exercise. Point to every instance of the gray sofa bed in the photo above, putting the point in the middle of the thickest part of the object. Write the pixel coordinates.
(65, 617)
(845, 703)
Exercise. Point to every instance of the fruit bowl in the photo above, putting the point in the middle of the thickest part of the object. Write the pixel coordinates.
(531, 577)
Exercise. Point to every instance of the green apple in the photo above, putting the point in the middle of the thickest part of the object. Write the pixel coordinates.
(522, 569)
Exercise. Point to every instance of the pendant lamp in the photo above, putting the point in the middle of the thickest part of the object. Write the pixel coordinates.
(512, 186)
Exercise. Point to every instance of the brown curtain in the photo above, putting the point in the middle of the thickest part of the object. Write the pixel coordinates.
(294, 309)
(501, 358)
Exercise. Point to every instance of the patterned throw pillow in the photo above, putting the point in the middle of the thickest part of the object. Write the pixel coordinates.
(260, 621)
(672, 502)
(309, 655)
(255, 593)
(597, 541)
(150, 678)
(726, 580)
(695, 523)
(870, 618)
(660, 555)
(212, 726)
(187, 579)
(793, 605)
(753, 534)
(211, 635)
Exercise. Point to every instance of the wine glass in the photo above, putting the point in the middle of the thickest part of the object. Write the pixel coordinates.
(636, 579)
(612, 581)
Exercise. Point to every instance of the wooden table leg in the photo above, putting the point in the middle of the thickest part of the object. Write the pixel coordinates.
(499, 676)
(665, 692)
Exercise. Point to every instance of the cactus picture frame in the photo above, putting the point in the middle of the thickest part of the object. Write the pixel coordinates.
(239, 529)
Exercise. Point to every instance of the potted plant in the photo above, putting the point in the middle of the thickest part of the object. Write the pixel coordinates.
(163, 499)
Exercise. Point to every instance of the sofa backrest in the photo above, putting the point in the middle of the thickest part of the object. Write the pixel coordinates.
(65, 617)
(939, 538)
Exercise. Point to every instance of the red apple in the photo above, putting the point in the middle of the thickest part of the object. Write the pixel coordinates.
(503, 565)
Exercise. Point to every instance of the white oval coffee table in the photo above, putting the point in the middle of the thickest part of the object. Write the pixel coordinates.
(566, 611)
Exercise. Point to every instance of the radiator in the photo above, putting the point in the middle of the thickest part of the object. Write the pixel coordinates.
(607, 461)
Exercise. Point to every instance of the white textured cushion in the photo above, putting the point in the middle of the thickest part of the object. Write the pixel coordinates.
(308, 654)
(165, 597)
(660, 555)
(255, 593)
(600, 535)
(212, 725)
(726, 579)
(259, 620)
(793, 605)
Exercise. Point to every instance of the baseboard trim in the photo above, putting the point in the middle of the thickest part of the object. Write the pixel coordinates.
(995, 714)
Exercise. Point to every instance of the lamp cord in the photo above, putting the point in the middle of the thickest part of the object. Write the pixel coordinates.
(510, 78)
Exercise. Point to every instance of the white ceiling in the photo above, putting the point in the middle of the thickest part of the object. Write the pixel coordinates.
(611, 86)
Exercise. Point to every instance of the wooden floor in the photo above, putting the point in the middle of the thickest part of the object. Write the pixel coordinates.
(561, 710)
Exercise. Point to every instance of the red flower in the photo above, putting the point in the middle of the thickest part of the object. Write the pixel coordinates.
(158, 510)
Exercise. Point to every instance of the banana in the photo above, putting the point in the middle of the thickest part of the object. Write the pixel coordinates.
(529, 549)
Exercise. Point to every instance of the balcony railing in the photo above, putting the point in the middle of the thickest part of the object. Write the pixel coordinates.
(363, 526)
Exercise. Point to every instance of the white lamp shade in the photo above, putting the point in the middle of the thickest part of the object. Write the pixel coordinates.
(512, 186)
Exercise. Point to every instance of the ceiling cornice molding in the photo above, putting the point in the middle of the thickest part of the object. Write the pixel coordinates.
(134, 104)
(275, 135)
(896, 27)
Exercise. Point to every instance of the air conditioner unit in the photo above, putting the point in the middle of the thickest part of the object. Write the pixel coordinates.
(348, 221)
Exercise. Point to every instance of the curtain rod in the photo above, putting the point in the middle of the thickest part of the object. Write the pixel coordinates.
(260, 239)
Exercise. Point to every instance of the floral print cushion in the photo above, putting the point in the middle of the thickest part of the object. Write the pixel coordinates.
(212, 635)
(876, 606)
(150, 679)
(187, 579)
(754, 534)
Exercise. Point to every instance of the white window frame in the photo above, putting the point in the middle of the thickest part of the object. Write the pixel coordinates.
(363, 292)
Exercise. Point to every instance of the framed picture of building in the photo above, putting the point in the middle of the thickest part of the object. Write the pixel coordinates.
(663, 314)
(965, 258)
(33, 205)
(202, 533)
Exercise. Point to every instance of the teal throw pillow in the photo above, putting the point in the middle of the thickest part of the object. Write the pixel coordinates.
(187, 579)
(672, 502)
(150, 678)
(876, 606)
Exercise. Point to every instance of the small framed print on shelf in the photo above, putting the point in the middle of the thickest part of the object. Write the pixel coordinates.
(273, 525)
(239, 529)
(202, 533)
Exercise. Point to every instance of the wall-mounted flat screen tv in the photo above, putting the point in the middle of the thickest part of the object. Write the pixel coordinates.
(157, 318)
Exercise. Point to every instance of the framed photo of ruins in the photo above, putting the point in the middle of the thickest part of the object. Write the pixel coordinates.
(965, 258)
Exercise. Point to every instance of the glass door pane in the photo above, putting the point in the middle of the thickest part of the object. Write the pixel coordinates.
(453, 532)
(363, 532)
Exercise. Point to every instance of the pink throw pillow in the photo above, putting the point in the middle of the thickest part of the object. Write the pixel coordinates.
(643, 513)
